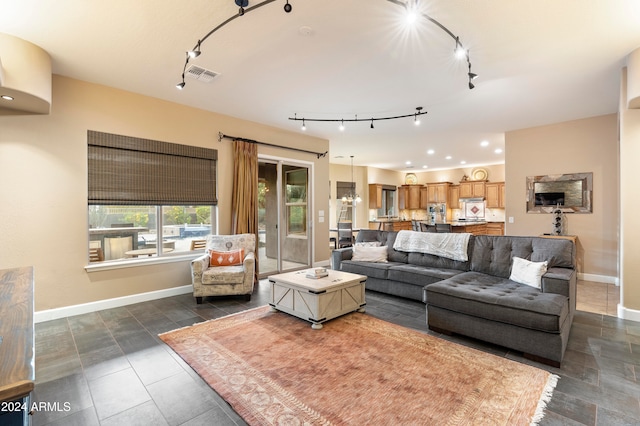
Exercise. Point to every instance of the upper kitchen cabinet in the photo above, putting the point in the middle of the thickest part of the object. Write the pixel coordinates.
(495, 195)
(472, 189)
(454, 196)
(409, 197)
(438, 192)
(375, 196)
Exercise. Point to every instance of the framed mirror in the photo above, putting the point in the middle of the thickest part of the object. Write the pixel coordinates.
(572, 193)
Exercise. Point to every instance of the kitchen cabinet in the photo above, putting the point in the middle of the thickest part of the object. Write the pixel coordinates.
(375, 196)
(495, 228)
(454, 196)
(438, 192)
(475, 229)
(392, 225)
(472, 189)
(495, 195)
(409, 197)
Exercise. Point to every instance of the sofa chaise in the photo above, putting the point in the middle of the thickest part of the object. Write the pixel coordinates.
(477, 297)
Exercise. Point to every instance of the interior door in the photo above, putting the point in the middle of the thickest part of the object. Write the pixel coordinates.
(284, 232)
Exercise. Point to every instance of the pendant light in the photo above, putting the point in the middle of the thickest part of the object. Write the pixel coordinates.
(352, 197)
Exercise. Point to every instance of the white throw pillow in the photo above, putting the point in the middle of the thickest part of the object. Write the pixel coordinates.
(369, 254)
(369, 244)
(527, 272)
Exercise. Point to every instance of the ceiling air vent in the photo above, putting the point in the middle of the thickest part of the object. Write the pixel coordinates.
(201, 74)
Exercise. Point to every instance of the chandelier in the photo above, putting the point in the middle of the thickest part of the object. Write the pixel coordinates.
(352, 197)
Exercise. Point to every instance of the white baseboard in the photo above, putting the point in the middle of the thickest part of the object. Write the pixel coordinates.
(606, 279)
(628, 314)
(68, 311)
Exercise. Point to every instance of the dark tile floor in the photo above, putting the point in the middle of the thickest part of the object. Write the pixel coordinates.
(110, 368)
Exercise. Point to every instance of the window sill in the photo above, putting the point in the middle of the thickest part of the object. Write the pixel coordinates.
(135, 263)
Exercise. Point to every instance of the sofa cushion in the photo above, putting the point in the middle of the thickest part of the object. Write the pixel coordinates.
(369, 254)
(499, 299)
(223, 275)
(370, 269)
(393, 255)
(492, 254)
(420, 275)
(527, 272)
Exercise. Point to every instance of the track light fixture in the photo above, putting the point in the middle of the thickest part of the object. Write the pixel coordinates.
(180, 85)
(195, 52)
(341, 120)
(411, 6)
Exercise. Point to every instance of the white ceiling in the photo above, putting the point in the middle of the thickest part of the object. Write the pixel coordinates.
(538, 61)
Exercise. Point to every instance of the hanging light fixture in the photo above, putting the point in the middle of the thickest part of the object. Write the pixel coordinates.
(411, 7)
(352, 197)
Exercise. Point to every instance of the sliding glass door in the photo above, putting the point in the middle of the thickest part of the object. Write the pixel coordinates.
(284, 233)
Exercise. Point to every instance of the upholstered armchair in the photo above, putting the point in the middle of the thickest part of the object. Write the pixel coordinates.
(227, 267)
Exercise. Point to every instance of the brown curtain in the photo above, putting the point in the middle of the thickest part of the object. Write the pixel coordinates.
(244, 209)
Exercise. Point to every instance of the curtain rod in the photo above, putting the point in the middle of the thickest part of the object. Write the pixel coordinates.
(317, 154)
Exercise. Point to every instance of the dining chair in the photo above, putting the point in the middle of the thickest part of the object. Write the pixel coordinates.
(345, 234)
(443, 227)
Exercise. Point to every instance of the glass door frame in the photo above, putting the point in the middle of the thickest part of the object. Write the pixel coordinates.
(281, 224)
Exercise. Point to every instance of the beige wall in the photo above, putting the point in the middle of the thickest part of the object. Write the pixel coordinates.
(629, 204)
(580, 146)
(43, 170)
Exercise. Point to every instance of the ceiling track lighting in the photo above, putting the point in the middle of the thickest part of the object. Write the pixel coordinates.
(411, 6)
(341, 120)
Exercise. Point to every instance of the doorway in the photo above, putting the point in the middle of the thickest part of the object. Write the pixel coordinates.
(284, 234)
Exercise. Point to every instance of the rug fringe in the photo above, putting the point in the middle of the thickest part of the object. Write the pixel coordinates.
(547, 393)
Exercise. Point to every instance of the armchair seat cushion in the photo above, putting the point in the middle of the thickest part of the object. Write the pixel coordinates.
(223, 275)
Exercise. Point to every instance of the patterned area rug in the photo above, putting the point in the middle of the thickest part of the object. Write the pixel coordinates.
(273, 369)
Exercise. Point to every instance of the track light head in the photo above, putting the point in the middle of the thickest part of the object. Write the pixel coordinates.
(471, 86)
(181, 85)
(472, 76)
(242, 4)
(372, 123)
(195, 52)
(287, 7)
(304, 126)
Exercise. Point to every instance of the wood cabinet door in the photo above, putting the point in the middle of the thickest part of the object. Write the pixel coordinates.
(454, 196)
(495, 195)
(424, 197)
(478, 189)
(402, 197)
(466, 190)
(375, 196)
(414, 197)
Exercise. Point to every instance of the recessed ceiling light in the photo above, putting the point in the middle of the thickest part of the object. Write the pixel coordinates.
(463, 162)
(484, 143)
(448, 157)
(498, 151)
(425, 166)
(7, 97)
(408, 163)
(430, 152)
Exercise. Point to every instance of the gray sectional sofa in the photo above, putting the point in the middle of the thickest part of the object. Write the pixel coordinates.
(476, 297)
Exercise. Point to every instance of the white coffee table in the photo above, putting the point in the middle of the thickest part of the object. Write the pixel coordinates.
(317, 300)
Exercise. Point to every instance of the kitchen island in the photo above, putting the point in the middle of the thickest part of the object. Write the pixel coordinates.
(474, 227)
(391, 224)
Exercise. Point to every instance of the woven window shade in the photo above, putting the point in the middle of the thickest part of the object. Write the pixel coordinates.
(123, 170)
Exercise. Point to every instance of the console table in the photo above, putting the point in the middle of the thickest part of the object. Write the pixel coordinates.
(17, 348)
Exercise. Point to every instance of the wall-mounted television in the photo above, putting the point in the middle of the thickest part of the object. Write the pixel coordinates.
(549, 198)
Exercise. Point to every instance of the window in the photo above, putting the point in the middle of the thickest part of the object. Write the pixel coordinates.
(296, 202)
(147, 198)
(345, 208)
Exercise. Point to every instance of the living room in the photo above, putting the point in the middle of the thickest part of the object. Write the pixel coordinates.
(43, 164)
